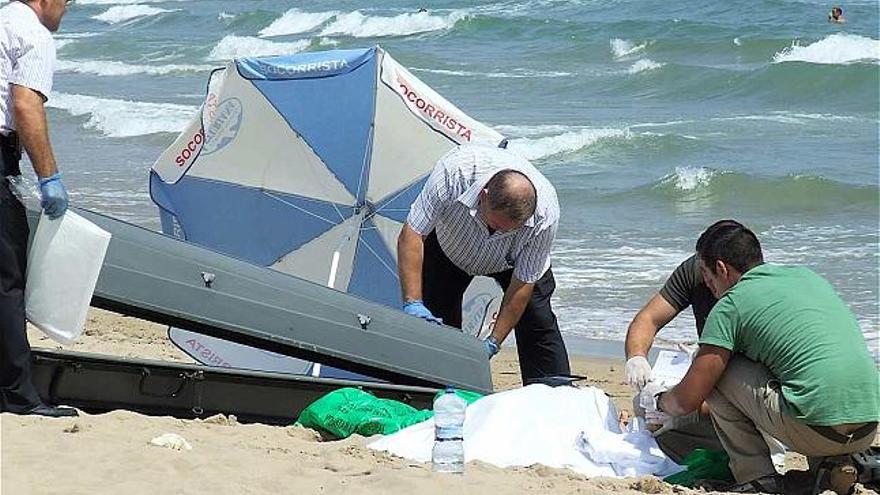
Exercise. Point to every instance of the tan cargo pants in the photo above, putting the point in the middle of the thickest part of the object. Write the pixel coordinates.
(748, 397)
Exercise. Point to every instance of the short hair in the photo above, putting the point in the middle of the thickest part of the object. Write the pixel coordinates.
(732, 243)
(508, 196)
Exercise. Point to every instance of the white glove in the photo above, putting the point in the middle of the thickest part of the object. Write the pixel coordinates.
(689, 348)
(638, 372)
(677, 423)
(648, 401)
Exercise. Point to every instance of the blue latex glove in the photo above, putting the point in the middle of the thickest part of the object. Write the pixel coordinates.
(417, 308)
(491, 346)
(53, 196)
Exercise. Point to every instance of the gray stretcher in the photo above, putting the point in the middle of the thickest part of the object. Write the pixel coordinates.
(156, 277)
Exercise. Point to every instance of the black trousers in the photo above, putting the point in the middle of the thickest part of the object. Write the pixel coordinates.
(17, 392)
(539, 344)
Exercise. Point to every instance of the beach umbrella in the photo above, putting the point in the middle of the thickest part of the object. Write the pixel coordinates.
(309, 163)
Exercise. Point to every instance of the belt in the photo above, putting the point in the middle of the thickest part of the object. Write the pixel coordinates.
(835, 436)
(10, 154)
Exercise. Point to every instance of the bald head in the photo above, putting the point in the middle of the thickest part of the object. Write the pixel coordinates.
(512, 194)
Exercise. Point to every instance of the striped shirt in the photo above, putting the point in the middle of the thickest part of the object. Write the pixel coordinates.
(448, 205)
(27, 56)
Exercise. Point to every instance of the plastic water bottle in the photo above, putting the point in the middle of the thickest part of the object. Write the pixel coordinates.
(448, 453)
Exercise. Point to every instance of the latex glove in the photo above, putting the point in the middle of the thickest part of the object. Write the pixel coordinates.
(417, 308)
(690, 348)
(638, 372)
(491, 346)
(677, 423)
(648, 401)
(53, 196)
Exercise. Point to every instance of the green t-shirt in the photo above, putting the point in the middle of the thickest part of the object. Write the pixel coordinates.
(794, 323)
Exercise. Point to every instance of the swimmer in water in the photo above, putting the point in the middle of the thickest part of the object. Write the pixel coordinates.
(836, 15)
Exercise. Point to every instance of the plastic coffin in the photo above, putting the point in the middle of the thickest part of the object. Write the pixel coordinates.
(158, 278)
(98, 384)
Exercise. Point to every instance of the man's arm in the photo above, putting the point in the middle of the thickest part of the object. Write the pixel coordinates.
(33, 129)
(516, 297)
(647, 322)
(410, 256)
(705, 371)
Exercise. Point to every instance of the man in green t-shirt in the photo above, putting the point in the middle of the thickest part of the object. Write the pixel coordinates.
(685, 287)
(780, 352)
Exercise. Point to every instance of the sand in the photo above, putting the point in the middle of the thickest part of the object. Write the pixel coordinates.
(111, 454)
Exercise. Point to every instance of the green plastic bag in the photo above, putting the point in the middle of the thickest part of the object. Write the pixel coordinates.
(347, 411)
(703, 465)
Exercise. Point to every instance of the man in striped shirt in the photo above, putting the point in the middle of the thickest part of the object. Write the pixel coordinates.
(27, 63)
(486, 211)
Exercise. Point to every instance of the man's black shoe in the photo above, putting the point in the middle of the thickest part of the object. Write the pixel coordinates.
(52, 411)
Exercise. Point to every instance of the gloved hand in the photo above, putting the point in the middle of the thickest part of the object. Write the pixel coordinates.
(678, 422)
(53, 196)
(491, 346)
(648, 401)
(417, 308)
(638, 372)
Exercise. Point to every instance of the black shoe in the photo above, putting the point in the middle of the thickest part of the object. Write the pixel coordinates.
(772, 483)
(52, 411)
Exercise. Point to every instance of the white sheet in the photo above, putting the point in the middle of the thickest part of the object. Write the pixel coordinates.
(540, 424)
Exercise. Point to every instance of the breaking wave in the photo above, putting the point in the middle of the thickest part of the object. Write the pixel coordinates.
(295, 21)
(123, 13)
(622, 48)
(358, 25)
(124, 118)
(113, 68)
(515, 74)
(567, 142)
(833, 49)
(643, 65)
(123, 2)
(233, 46)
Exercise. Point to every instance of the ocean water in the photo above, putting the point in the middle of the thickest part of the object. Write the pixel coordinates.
(653, 119)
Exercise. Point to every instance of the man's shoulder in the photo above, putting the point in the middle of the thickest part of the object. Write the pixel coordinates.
(21, 22)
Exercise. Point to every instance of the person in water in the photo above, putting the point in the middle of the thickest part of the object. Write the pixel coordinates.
(836, 15)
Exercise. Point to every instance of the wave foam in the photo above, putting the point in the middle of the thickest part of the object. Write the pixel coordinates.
(517, 74)
(643, 65)
(123, 118)
(122, 2)
(295, 21)
(122, 13)
(358, 25)
(113, 68)
(247, 46)
(689, 178)
(833, 49)
(567, 142)
(621, 48)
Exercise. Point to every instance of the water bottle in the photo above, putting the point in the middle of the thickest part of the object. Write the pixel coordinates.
(448, 453)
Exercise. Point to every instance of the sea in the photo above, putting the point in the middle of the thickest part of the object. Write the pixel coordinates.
(652, 118)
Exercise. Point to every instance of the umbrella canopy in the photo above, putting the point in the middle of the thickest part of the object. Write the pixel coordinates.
(309, 163)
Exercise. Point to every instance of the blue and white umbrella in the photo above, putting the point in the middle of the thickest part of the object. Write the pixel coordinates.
(308, 164)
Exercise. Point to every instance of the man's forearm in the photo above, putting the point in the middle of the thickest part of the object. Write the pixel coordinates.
(516, 298)
(647, 322)
(639, 337)
(410, 257)
(33, 130)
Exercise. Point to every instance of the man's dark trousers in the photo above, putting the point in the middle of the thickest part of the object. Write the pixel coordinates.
(17, 392)
(539, 344)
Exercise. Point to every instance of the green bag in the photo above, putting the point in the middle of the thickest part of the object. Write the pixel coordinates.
(349, 410)
(702, 465)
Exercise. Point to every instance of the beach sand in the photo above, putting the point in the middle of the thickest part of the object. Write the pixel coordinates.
(110, 453)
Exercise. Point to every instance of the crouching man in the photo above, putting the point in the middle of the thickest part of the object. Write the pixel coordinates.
(780, 352)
